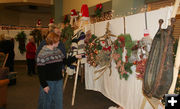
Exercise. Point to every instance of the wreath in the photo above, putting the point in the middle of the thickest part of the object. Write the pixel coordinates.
(98, 10)
(21, 38)
(121, 54)
(36, 33)
(98, 51)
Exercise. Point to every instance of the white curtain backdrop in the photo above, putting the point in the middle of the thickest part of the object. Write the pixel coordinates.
(128, 93)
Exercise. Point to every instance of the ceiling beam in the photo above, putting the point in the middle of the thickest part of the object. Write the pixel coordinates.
(43, 2)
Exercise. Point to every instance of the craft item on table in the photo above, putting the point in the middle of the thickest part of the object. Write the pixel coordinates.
(105, 16)
(74, 16)
(77, 47)
(140, 68)
(84, 14)
(159, 66)
(21, 38)
(99, 51)
(81, 45)
(78, 43)
(140, 53)
(121, 54)
(98, 9)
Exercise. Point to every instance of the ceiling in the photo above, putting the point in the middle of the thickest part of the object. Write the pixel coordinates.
(27, 7)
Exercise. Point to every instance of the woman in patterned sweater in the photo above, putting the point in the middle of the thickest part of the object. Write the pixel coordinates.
(50, 61)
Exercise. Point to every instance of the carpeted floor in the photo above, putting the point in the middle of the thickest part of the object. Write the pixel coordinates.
(24, 95)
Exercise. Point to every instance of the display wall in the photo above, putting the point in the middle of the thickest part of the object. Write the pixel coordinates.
(76, 4)
(126, 93)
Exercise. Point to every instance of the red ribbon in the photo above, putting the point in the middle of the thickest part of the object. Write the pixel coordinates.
(106, 49)
(98, 6)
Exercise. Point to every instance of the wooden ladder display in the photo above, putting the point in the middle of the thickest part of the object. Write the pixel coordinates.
(75, 82)
(76, 73)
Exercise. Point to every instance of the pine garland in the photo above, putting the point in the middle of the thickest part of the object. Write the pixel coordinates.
(21, 38)
(66, 37)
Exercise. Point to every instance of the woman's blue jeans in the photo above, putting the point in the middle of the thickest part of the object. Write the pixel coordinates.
(54, 98)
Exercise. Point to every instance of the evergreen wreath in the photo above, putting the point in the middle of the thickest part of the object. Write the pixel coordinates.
(123, 44)
(21, 38)
(36, 33)
(98, 10)
(98, 52)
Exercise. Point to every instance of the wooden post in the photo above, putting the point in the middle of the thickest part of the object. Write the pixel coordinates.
(75, 83)
(65, 82)
(176, 65)
(176, 69)
(143, 103)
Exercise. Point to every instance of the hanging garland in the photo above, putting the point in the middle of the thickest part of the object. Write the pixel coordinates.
(66, 36)
(122, 52)
(21, 38)
(91, 51)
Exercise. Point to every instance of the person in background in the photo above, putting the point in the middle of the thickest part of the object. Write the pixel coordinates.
(30, 56)
(50, 60)
(60, 46)
(7, 46)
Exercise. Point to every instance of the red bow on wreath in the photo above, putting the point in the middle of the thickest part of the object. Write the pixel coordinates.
(98, 6)
(106, 49)
(122, 39)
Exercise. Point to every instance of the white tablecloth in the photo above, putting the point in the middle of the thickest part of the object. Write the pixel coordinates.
(128, 93)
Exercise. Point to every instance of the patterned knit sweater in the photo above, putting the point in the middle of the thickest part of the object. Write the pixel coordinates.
(49, 64)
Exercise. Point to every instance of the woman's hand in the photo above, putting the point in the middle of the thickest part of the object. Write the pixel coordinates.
(46, 89)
